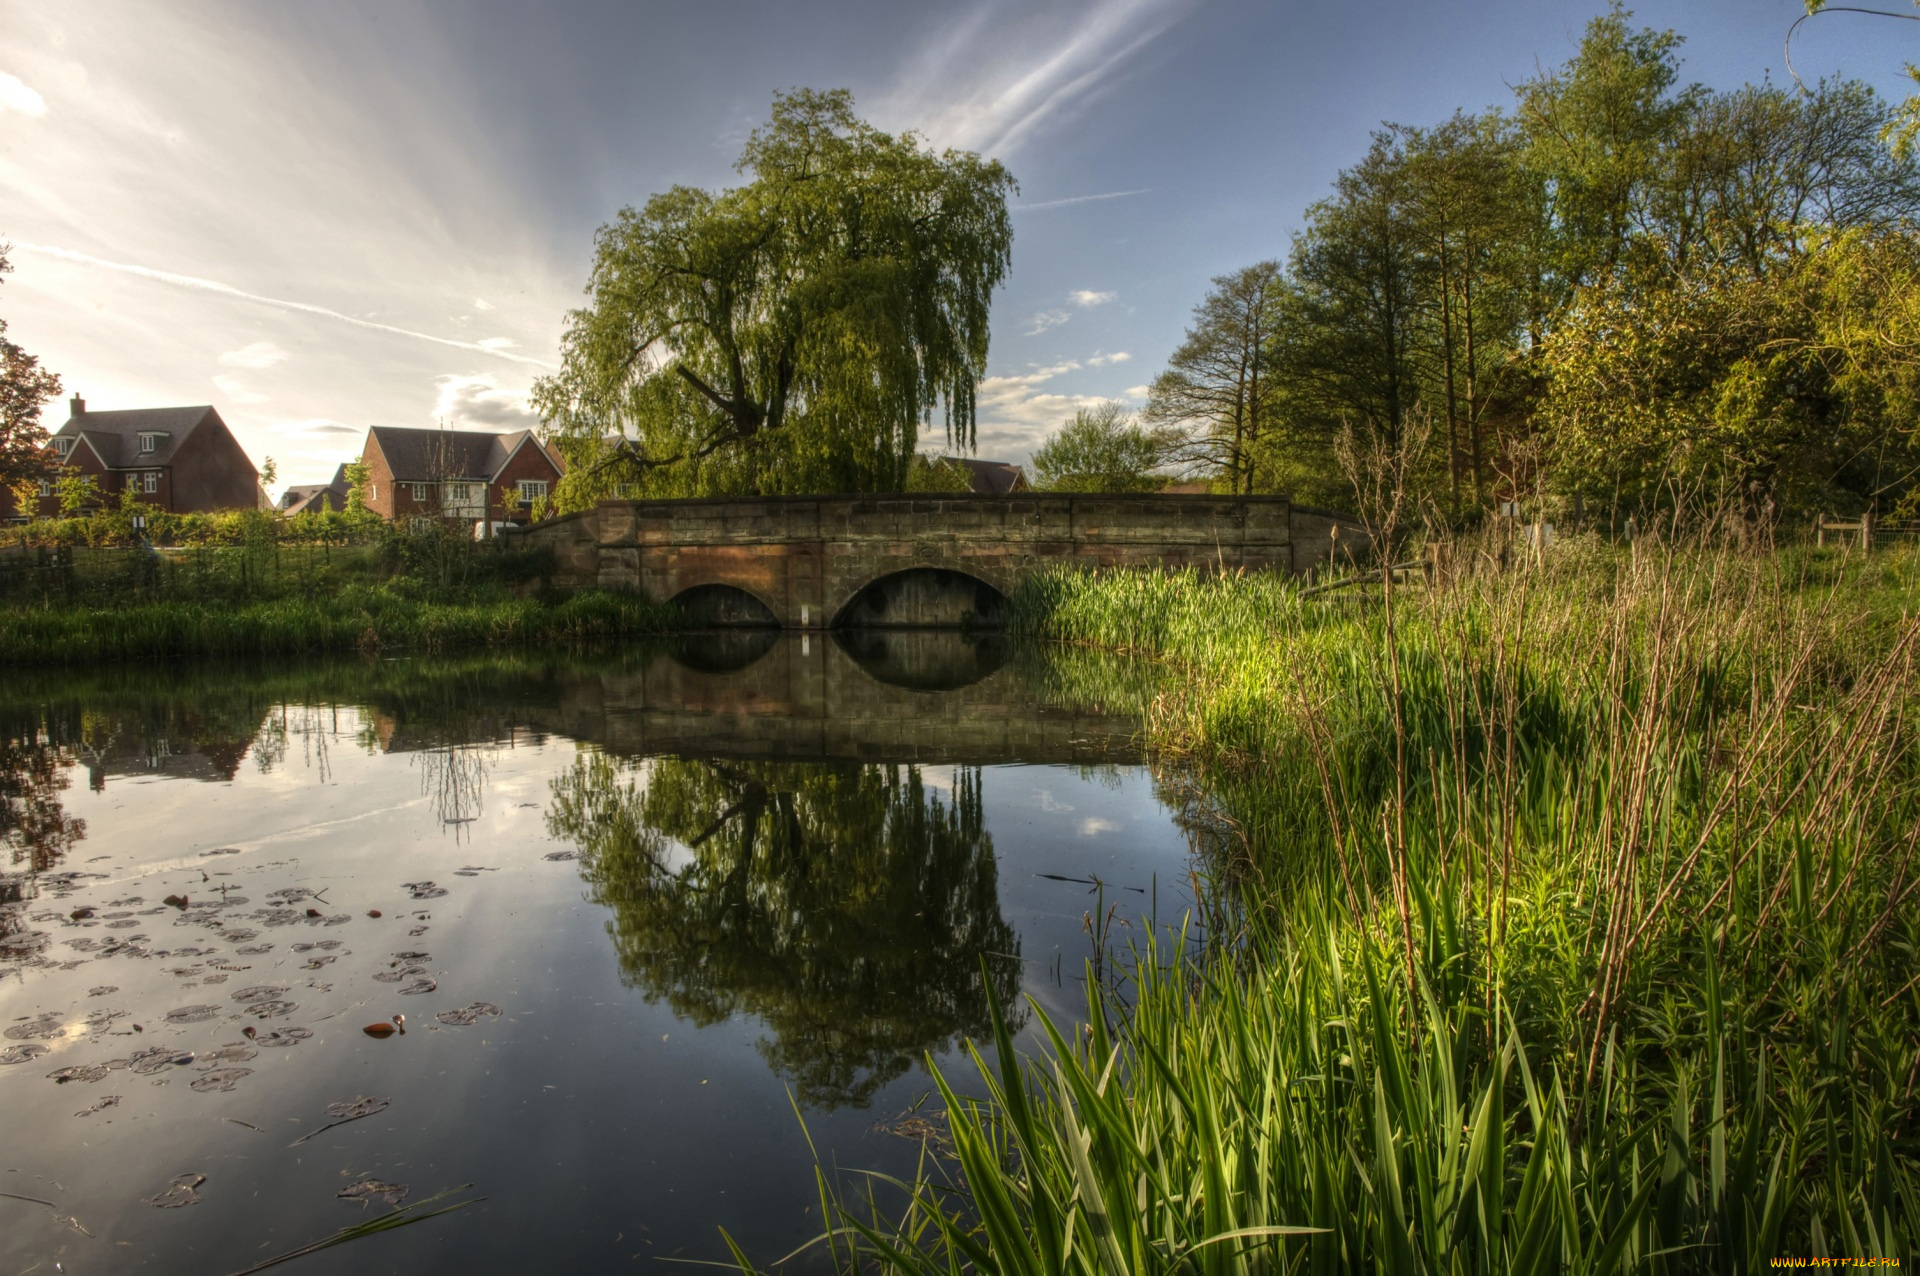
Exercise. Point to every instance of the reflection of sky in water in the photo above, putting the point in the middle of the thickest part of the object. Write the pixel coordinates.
(603, 1126)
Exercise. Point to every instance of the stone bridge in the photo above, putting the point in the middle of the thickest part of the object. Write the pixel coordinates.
(913, 561)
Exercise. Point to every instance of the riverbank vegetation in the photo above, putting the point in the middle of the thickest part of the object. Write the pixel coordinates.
(1564, 921)
(101, 587)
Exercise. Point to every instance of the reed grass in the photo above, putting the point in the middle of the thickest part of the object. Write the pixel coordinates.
(1573, 930)
(357, 618)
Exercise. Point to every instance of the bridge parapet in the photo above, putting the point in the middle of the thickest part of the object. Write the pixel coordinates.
(805, 561)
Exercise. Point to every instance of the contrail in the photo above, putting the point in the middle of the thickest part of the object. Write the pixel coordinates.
(227, 290)
(1080, 199)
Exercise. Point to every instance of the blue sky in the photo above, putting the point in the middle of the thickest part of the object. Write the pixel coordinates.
(320, 217)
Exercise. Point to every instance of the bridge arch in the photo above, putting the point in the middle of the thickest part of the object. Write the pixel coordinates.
(924, 596)
(723, 605)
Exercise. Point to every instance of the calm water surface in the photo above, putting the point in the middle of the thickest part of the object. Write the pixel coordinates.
(634, 910)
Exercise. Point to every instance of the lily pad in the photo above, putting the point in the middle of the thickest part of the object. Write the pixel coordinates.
(367, 1189)
(22, 1054)
(468, 1015)
(100, 1104)
(39, 1028)
(184, 1190)
(81, 1072)
(283, 1037)
(259, 992)
(193, 1014)
(561, 855)
(359, 1106)
(419, 986)
(272, 1009)
(220, 1079)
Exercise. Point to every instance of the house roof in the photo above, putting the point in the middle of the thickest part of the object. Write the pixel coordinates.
(430, 455)
(991, 478)
(299, 497)
(115, 436)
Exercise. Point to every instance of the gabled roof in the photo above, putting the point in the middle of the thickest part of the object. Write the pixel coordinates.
(115, 436)
(298, 498)
(425, 456)
(991, 478)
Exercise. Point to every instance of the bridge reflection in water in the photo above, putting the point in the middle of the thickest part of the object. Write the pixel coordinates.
(768, 830)
(793, 827)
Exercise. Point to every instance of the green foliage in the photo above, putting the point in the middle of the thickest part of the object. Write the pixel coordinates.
(358, 475)
(24, 388)
(937, 474)
(1559, 922)
(848, 908)
(789, 335)
(1104, 450)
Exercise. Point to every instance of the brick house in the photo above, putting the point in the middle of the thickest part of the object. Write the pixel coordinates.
(316, 498)
(183, 460)
(465, 474)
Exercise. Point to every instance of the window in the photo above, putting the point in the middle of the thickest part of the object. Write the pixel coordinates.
(148, 442)
(420, 493)
(150, 482)
(46, 488)
(64, 447)
(532, 490)
(462, 498)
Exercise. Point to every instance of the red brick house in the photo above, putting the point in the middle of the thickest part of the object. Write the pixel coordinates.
(465, 474)
(183, 460)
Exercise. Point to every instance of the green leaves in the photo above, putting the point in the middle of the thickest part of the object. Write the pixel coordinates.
(791, 334)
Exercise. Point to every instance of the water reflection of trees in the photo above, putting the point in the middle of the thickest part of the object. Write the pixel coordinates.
(34, 826)
(846, 906)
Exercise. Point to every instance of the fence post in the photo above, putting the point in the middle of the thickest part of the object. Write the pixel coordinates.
(1866, 530)
(1819, 531)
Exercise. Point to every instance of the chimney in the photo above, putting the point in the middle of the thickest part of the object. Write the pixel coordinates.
(76, 406)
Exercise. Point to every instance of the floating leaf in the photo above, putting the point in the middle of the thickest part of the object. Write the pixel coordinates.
(21, 1054)
(419, 986)
(467, 1015)
(283, 1037)
(366, 1189)
(359, 1106)
(100, 1104)
(272, 1009)
(184, 1190)
(193, 1014)
(40, 1028)
(220, 1079)
(81, 1072)
(561, 855)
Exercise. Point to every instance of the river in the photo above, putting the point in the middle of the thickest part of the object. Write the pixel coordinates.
(666, 927)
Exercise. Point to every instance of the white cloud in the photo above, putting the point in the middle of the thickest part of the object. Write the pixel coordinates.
(236, 390)
(1044, 320)
(995, 76)
(1051, 804)
(260, 354)
(496, 343)
(317, 426)
(215, 286)
(1078, 199)
(1086, 298)
(1093, 825)
(478, 402)
(17, 95)
(1137, 391)
(481, 303)
(1102, 360)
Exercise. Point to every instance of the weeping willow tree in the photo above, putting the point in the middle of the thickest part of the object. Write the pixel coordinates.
(849, 907)
(793, 334)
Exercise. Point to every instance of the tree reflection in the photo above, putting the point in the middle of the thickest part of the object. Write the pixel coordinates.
(848, 907)
(34, 826)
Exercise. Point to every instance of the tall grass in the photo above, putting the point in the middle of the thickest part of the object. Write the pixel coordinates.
(1577, 933)
(359, 618)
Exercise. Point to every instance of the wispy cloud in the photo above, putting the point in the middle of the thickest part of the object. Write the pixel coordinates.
(17, 95)
(1102, 360)
(1085, 298)
(260, 354)
(1046, 319)
(1079, 199)
(992, 79)
(228, 290)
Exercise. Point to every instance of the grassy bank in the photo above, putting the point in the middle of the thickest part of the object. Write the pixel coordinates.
(1576, 932)
(364, 618)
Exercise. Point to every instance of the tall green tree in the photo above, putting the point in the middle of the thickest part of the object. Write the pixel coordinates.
(25, 388)
(790, 334)
(1218, 387)
(1104, 449)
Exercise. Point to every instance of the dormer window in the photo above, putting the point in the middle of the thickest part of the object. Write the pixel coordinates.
(64, 447)
(150, 440)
